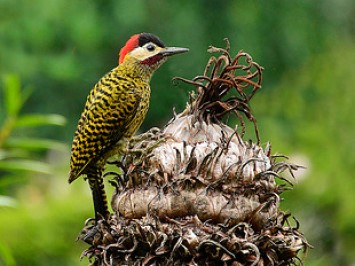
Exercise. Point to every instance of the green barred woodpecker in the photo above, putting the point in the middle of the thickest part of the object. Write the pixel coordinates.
(114, 110)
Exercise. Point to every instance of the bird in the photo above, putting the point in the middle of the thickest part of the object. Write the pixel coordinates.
(114, 110)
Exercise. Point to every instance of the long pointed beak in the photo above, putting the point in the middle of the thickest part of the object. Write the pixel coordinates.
(168, 51)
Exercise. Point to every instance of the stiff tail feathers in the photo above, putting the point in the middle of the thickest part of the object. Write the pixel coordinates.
(96, 183)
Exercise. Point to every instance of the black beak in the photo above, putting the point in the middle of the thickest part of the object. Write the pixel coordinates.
(168, 51)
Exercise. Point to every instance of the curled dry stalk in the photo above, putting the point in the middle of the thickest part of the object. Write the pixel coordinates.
(223, 74)
(195, 192)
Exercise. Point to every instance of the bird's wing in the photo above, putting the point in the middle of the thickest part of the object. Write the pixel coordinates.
(107, 114)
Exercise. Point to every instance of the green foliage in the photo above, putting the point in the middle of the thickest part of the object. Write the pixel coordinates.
(42, 230)
(17, 151)
(16, 148)
(7, 202)
(310, 112)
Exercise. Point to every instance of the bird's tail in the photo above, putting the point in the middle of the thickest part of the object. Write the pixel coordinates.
(96, 183)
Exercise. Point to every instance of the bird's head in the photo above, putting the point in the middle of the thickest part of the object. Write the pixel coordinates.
(147, 50)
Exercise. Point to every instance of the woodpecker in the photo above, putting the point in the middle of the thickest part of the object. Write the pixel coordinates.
(114, 110)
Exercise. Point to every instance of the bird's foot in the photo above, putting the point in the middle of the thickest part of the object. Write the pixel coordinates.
(145, 150)
(152, 134)
(144, 145)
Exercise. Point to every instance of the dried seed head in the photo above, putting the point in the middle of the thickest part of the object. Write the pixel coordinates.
(195, 192)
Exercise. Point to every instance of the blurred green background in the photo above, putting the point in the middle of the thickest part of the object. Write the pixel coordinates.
(52, 53)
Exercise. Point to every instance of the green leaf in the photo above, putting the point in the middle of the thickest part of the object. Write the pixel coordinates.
(34, 144)
(3, 154)
(25, 165)
(12, 94)
(12, 179)
(35, 120)
(6, 255)
(7, 201)
(15, 153)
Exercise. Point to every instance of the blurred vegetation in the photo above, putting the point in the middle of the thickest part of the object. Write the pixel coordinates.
(53, 52)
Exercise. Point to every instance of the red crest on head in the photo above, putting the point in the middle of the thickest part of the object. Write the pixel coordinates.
(132, 43)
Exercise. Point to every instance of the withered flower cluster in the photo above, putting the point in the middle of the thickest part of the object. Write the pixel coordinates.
(195, 192)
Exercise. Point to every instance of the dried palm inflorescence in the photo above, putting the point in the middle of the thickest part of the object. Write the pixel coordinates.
(196, 193)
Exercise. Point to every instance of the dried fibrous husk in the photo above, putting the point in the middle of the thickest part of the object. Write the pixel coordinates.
(195, 192)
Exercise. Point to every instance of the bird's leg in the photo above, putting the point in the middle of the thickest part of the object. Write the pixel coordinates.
(138, 154)
(141, 146)
(153, 133)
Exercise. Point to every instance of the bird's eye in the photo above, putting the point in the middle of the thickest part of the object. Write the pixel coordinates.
(150, 47)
